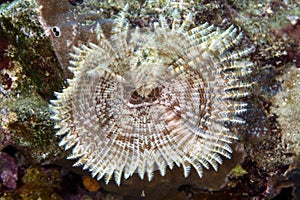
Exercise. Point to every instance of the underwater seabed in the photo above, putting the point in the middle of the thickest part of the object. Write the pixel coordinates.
(36, 39)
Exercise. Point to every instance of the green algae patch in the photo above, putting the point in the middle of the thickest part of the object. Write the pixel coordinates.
(40, 184)
(238, 171)
(30, 45)
(33, 73)
(30, 127)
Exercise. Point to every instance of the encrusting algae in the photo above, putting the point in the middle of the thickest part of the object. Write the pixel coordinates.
(145, 99)
(37, 37)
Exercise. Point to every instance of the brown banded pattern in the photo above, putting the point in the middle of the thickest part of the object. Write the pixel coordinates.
(144, 100)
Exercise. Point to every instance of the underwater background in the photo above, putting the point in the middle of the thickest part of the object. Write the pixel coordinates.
(36, 39)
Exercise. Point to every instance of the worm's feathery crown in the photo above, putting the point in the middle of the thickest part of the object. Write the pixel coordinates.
(144, 100)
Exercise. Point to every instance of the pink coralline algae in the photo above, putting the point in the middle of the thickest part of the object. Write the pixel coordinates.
(8, 171)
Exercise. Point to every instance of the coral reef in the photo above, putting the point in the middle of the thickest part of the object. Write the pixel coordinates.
(29, 46)
(27, 72)
(39, 183)
(27, 123)
(36, 38)
(286, 108)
